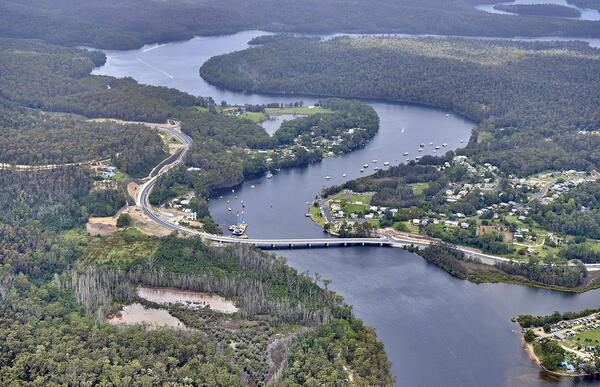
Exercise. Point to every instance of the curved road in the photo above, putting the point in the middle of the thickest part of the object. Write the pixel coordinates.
(383, 240)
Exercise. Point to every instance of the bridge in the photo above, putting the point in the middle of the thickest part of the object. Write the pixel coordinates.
(383, 240)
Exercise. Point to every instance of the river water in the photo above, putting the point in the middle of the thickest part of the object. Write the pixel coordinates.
(437, 330)
(589, 14)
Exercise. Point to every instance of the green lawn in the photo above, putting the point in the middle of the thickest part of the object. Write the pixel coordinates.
(356, 208)
(418, 188)
(257, 117)
(315, 215)
(364, 199)
(589, 337)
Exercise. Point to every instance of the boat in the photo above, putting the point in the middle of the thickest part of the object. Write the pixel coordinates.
(430, 143)
(437, 147)
(444, 144)
(229, 209)
(220, 197)
(343, 175)
(232, 227)
(251, 186)
(236, 196)
(407, 159)
(269, 175)
(241, 201)
(362, 170)
(244, 237)
(365, 165)
(307, 215)
(462, 140)
(327, 177)
(241, 225)
(373, 161)
(228, 201)
(232, 190)
(422, 145)
(420, 150)
(447, 115)
(376, 168)
(405, 153)
(386, 163)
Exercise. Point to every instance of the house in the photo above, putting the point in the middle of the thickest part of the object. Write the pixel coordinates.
(558, 336)
(190, 216)
(335, 207)
(451, 223)
(416, 222)
(464, 225)
(369, 216)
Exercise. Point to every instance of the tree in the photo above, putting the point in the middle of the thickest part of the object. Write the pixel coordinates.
(529, 336)
(124, 220)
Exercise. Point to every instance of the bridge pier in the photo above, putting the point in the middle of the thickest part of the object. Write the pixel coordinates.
(291, 245)
(345, 244)
(272, 245)
(363, 243)
(327, 244)
(308, 245)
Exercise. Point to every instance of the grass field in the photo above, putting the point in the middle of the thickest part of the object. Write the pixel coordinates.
(364, 199)
(418, 188)
(315, 215)
(590, 337)
(254, 116)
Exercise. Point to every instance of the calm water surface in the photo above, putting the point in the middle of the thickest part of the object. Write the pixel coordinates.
(437, 330)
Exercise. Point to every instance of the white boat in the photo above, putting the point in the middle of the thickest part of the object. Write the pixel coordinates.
(365, 165)
(362, 170)
(232, 190)
(430, 143)
(444, 144)
(343, 175)
(408, 159)
(229, 209)
(447, 115)
(376, 168)
(327, 177)
(220, 197)
(420, 150)
(405, 153)
(251, 186)
(422, 145)
(373, 161)
(241, 202)
(386, 163)
(269, 175)
(462, 140)
(437, 147)
(228, 201)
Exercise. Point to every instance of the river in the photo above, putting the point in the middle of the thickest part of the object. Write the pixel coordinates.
(437, 330)
(589, 14)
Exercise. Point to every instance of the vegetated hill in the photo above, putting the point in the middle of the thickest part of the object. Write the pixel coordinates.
(119, 24)
(530, 99)
(58, 286)
(550, 10)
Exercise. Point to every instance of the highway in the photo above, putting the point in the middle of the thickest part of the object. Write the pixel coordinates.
(382, 241)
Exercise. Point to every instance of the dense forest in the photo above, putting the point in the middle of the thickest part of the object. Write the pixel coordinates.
(32, 137)
(530, 99)
(109, 24)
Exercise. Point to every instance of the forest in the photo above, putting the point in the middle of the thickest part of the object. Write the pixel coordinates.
(36, 138)
(530, 99)
(108, 24)
(58, 284)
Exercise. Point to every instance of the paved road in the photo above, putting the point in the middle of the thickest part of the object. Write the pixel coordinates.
(543, 191)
